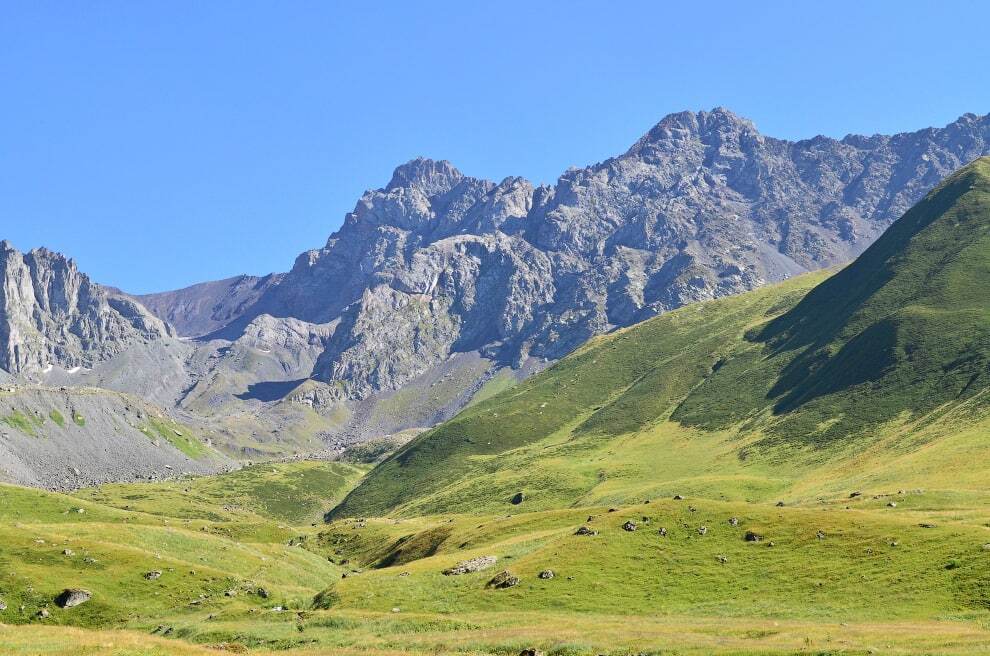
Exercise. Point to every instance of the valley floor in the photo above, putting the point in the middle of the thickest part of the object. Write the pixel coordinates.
(246, 563)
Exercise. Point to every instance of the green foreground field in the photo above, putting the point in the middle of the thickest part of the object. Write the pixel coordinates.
(843, 575)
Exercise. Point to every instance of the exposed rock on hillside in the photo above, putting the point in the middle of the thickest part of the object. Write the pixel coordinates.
(203, 308)
(52, 315)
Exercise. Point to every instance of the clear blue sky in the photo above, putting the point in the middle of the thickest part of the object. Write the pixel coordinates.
(166, 143)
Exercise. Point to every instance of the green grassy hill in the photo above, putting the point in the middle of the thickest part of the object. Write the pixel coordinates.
(798, 390)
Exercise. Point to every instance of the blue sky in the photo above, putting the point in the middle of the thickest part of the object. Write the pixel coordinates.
(166, 143)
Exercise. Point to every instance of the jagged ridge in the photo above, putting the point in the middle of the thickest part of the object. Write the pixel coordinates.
(701, 207)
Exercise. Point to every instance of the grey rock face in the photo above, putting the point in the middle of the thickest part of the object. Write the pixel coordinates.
(702, 206)
(51, 314)
(203, 308)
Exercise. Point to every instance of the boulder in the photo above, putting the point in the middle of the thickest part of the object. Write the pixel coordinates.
(629, 526)
(702, 530)
(662, 532)
(504, 579)
(546, 574)
(752, 536)
(584, 530)
(71, 597)
(153, 575)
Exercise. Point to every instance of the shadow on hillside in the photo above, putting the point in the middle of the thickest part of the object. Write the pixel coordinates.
(270, 390)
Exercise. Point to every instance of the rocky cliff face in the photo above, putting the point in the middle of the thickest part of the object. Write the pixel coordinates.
(438, 263)
(51, 315)
(200, 309)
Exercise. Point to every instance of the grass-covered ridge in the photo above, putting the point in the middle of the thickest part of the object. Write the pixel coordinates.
(905, 328)
(744, 397)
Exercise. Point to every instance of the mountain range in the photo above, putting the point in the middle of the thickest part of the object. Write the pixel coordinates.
(440, 289)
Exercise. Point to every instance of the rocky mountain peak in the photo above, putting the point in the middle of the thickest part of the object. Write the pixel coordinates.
(675, 129)
(431, 177)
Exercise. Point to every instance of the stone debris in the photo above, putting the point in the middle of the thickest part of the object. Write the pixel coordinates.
(473, 565)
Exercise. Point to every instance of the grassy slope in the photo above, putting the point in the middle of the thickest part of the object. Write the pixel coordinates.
(110, 550)
(775, 392)
(877, 579)
(295, 493)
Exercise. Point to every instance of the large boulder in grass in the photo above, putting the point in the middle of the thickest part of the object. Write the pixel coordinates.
(73, 597)
(504, 579)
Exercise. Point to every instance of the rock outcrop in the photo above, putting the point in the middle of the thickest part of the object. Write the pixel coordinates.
(200, 309)
(53, 315)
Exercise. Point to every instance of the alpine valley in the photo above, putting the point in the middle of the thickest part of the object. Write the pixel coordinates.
(720, 394)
